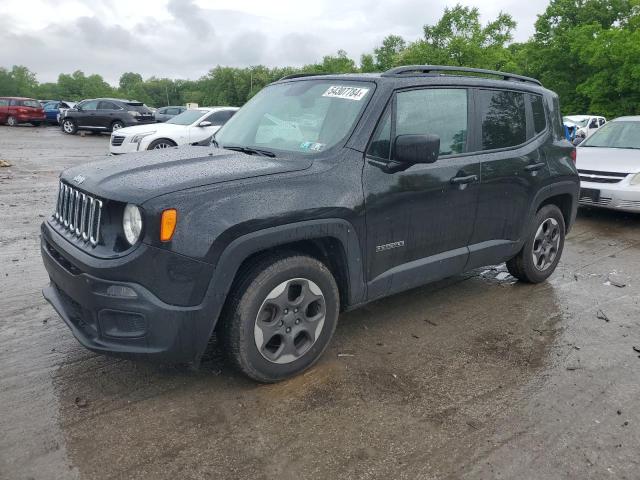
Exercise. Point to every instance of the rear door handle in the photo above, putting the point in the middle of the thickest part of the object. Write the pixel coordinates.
(464, 180)
(534, 167)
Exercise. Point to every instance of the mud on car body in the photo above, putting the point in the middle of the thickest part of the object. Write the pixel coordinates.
(321, 194)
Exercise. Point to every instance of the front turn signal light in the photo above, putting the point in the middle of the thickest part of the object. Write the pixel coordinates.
(168, 224)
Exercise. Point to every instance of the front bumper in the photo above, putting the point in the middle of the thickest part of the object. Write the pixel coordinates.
(122, 318)
(618, 196)
(125, 146)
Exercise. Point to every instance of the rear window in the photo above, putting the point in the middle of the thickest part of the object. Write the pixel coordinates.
(503, 118)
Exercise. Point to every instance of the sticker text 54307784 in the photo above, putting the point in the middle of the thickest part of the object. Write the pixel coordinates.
(348, 93)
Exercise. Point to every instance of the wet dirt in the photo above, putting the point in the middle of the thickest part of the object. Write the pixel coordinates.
(477, 376)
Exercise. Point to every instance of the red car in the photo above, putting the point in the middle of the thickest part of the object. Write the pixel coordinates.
(15, 110)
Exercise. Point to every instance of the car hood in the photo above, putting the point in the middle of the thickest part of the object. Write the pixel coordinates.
(159, 128)
(619, 160)
(138, 177)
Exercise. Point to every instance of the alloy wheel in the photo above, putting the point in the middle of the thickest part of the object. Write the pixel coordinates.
(546, 244)
(67, 125)
(290, 320)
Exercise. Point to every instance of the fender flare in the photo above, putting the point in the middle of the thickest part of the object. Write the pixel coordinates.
(565, 187)
(246, 245)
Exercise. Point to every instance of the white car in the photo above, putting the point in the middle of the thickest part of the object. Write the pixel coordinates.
(609, 166)
(585, 125)
(189, 128)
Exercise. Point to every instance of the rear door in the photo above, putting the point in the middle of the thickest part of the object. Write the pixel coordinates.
(107, 113)
(419, 221)
(513, 137)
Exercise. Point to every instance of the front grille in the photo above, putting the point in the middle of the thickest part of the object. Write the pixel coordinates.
(117, 140)
(603, 201)
(601, 177)
(79, 213)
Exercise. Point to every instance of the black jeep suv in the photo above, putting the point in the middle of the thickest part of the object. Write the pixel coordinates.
(105, 115)
(321, 194)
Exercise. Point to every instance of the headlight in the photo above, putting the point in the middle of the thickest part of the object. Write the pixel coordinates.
(635, 180)
(132, 223)
(138, 138)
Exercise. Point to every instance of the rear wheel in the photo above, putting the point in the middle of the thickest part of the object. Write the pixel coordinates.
(541, 252)
(160, 144)
(12, 121)
(280, 317)
(69, 126)
(117, 125)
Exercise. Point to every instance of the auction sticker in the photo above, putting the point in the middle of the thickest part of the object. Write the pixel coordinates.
(348, 93)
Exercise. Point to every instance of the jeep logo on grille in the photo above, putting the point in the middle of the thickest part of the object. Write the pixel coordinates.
(79, 179)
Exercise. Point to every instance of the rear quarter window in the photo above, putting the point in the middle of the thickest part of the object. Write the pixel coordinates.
(539, 116)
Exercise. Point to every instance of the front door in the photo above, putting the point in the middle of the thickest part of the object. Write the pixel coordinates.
(419, 221)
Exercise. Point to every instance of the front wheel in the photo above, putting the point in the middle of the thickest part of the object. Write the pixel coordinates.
(280, 317)
(542, 249)
(160, 144)
(69, 126)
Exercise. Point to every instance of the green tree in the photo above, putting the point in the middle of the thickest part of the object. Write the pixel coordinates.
(387, 55)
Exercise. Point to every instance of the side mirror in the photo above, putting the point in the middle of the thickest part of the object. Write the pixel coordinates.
(412, 149)
(205, 124)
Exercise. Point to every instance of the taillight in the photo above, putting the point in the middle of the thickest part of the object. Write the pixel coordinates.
(573, 156)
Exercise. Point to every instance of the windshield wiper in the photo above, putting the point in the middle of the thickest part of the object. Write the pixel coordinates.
(251, 151)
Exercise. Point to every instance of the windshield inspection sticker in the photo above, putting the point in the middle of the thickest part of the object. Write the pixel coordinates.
(348, 93)
(314, 147)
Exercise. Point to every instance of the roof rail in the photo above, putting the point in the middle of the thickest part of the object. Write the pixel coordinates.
(429, 69)
(299, 75)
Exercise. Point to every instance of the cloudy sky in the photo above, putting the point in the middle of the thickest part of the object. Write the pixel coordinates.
(186, 38)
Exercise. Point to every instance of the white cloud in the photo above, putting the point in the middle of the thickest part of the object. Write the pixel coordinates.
(186, 38)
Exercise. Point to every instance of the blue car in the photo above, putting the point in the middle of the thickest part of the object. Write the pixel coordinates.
(54, 107)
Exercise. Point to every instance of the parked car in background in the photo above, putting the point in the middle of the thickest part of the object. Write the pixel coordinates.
(188, 128)
(165, 113)
(44, 102)
(105, 115)
(325, 193)
(15, 110)
(62, 109)
(583, 125)
(609, 166)
(53, 109)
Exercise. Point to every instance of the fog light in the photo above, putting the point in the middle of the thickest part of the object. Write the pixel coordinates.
(121, 291)
(122, 324)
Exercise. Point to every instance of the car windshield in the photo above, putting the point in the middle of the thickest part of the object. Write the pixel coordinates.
(187, 117)
(580, 123)
(615, 135)
(306, 116)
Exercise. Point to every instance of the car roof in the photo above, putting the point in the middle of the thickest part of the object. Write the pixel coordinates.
(20, 98)
(424, 75)
(111, 100)
(630, 118)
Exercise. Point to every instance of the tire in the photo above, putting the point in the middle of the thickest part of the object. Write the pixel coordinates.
(117, 125)
(542, 249)
(12, 121)
(280, 316)
(160, 144)
(69, 126)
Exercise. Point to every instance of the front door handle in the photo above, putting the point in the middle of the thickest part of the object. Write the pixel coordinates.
(464, 180)
(534, 167)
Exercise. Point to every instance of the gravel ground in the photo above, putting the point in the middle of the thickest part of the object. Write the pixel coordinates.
(474, 377)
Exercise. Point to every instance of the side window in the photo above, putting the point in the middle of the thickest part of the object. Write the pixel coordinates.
(107, 106)
(539, 117)
(593, 123)
(503, 118)
(380, 145)
(4, 102)
(13, 102)
(602, 120)
(171, 111)
(90, 105)
(438, 111)
(219, 118)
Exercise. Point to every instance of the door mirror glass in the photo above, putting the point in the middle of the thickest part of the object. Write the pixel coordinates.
(412, 149)
(205, 124)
